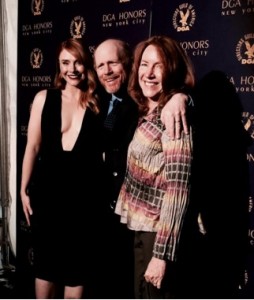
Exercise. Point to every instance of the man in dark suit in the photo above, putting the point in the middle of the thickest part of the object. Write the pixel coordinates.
(112, 62)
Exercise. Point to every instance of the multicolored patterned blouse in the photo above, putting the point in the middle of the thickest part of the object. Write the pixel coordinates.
(155, 193)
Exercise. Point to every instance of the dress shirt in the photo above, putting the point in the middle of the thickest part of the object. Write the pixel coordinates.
(111, 102)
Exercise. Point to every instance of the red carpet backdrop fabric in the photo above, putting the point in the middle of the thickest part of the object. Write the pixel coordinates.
(218, 36)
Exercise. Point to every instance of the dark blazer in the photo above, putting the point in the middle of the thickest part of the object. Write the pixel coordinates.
(116, 142)
(119, 238)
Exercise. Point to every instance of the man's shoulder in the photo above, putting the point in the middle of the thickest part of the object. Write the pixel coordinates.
(129, 107)
(130, 102)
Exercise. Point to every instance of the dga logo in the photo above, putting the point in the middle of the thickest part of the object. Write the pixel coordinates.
(184, 17)
(36, 58)
(78, 27)
(37, 7)
(248, 122)
(245, 49)
(229, 7)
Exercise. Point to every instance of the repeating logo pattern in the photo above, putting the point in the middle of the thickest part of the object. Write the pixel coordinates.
(245, 49)
(78, 27)
(237, 7)
(36, 58)
(248, 121)
(124, 18)
(37, 7)
(184, 17)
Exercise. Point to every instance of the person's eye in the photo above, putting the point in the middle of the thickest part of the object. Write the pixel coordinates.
(159, 67)
(142, 64)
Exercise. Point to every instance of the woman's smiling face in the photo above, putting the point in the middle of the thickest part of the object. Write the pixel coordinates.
(150, 73)
(71, 69)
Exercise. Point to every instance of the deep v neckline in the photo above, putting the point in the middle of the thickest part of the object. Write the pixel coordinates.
(78, 135)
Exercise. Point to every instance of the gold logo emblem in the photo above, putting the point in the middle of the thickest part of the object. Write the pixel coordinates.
(248, 122)
(245, 49)
(37, 7)
(78, 27)
(250, 50)
(36, 58)
(184, 17)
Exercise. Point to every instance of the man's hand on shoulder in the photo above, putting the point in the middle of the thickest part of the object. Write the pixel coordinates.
(173, 115)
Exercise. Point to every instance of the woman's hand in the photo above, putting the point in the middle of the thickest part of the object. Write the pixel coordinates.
(26, 206)
(155, 271)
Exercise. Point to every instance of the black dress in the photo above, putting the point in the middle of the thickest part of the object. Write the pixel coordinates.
(65, 197)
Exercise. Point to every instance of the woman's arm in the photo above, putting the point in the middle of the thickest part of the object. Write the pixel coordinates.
(31, 151)
(178, 160)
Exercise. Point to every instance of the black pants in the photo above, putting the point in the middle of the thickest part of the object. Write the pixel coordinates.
(143, 250)
(113, 277)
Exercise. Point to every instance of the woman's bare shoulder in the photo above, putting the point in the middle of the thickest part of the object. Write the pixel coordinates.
(39, 100)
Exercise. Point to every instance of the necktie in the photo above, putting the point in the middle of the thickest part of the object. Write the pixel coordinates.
(111, 117)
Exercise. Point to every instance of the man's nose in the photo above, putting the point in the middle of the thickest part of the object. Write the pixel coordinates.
(107, 69)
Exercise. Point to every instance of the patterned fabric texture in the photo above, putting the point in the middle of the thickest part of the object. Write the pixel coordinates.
(155, 193)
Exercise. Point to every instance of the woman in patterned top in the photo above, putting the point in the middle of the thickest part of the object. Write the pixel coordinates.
(155, 194)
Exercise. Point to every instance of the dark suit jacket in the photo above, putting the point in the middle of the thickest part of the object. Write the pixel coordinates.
(117, 141)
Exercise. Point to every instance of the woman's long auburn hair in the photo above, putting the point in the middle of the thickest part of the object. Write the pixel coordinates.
(88, 87)
(178, 74)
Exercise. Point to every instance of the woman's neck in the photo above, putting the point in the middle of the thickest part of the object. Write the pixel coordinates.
(72, 94)
(151, 106)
